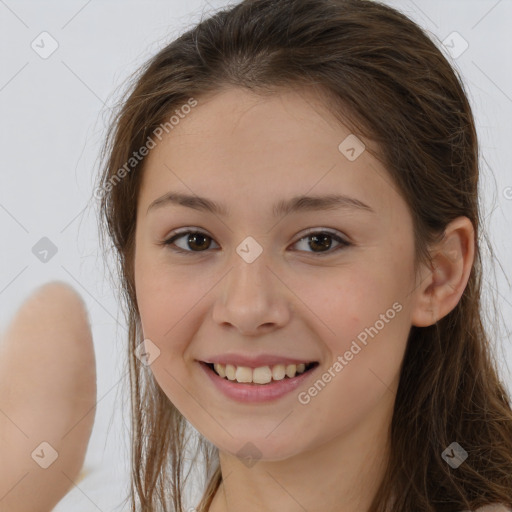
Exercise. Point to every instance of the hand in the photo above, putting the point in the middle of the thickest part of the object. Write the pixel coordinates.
(47, 395)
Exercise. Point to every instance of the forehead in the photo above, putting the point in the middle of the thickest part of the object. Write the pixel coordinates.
(238, 143)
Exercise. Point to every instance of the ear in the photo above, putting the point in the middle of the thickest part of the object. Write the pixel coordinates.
(444, 281)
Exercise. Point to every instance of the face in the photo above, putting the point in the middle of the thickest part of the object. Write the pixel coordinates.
(331, 285)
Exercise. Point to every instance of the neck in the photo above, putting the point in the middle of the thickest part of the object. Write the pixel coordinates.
(340, 475)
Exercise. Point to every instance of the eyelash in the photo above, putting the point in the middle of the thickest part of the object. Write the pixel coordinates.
(179, 234)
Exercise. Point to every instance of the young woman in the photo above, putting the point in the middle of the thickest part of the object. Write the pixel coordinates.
(291, 189)
(296, 182)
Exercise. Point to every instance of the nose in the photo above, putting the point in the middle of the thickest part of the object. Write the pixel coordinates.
(252, 299)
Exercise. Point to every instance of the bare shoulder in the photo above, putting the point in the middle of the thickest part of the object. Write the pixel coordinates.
(491, 508)
(494, 508)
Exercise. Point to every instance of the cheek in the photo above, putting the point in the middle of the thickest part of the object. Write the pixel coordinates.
(152, 286)
(368, 325)
(163, 305)
(364, 357)
(171, 304)
(355, 300)
(160, 300)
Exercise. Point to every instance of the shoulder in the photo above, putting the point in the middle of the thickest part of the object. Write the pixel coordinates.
(494, 508)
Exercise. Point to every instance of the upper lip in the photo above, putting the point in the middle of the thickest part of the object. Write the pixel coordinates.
(255, 361)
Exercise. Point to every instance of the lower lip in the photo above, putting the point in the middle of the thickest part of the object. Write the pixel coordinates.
(256, 393)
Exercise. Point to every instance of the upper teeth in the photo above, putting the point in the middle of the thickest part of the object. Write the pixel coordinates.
(260, 375)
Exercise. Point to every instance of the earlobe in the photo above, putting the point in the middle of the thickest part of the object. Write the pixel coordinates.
(444, 282)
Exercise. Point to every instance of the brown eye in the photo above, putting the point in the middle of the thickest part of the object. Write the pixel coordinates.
(195, 240)
(321, 241)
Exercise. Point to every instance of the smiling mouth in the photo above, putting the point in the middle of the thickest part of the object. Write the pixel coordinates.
(262, 375)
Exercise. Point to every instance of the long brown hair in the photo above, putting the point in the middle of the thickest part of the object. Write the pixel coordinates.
(385, 78)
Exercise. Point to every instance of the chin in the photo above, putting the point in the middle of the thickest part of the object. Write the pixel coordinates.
(257, 448)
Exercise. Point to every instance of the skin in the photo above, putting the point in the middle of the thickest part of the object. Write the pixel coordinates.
(47, 394)
(248, 152)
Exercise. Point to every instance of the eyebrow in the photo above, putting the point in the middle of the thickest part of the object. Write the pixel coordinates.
(281, 208)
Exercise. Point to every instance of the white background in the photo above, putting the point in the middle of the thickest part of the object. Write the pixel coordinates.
(52, 121)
